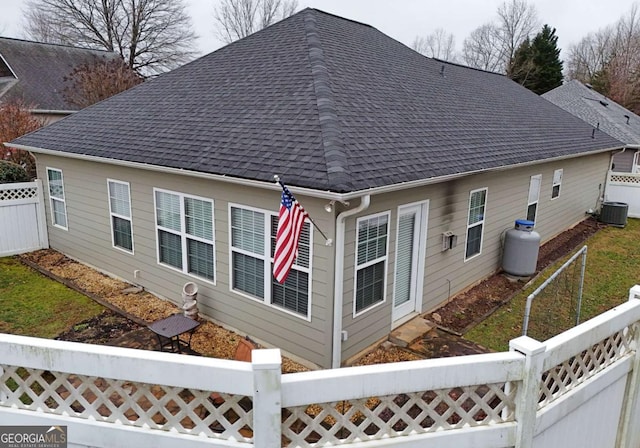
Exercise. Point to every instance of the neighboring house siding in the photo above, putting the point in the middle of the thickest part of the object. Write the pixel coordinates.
(89, 239)
(446, 273)
(623, 162)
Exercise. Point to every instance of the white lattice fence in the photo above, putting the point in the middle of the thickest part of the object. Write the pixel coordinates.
(23, 226)
(574, 371)
(183, 410)
(388, 416)
(548, 393)
(624, 187)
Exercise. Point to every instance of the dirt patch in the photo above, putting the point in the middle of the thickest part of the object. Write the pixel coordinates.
(470, 307)
(100, 329)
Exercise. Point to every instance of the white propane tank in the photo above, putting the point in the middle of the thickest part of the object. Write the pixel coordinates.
(521, 245)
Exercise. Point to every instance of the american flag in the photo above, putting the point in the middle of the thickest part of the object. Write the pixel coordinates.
(290, 222)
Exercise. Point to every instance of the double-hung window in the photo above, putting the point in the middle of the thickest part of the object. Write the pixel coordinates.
(253, 242)
(475, 222)
(185, 233)
(557, 183)
(371, 261)
(534, 197)
(57, 198)
(120, 211)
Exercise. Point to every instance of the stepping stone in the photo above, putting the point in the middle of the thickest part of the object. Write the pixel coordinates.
(407, 333)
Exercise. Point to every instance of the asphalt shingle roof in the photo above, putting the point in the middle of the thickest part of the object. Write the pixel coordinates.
(326, 103)
(40, 70)
(597, 110)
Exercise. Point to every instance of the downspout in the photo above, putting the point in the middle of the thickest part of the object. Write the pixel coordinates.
(336, 354)
(603, 192)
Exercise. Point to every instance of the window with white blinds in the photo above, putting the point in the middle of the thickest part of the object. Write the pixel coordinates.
(253, 241)
(120, 211)
(404, 258)
(57, 198)
(557, 183)
(185, 232)
(371, 261)
(534, 197)
(475, 222)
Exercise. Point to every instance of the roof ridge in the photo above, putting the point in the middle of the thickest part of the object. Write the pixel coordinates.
(330, 128)
(52, 44)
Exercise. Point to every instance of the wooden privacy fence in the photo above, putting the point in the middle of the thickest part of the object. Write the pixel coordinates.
(23, 226)
(580, 388)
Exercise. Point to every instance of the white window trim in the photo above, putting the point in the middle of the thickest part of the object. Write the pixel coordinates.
(635, 168)
(268, 260)
(537, 200)
(484, 218)
(183, 235)
(558, 184)
(52, 199)
(385, 259)
(127, 218)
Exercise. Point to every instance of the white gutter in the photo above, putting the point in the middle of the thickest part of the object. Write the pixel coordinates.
(53, 111)
(336, 352)
(322, 194)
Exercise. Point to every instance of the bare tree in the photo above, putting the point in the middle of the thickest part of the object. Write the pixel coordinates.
(517, 21)
(483, 48)
(151, 35)
(439, 44)
(609, 59)
(235, 19)
(95, 81)
(16, 120)
(590, 55)
(492, 46)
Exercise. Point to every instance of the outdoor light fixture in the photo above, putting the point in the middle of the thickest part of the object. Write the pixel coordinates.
(329, 207)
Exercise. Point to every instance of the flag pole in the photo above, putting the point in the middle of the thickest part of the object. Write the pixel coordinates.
(327, 241)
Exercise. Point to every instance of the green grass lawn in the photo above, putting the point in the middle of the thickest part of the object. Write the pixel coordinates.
(613, 266)
(34, 305)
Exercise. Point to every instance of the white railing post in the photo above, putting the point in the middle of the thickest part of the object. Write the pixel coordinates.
(529, 391)
(267, 398)
(629, 433)
(634, 292)
(42, 216)
(3, 393)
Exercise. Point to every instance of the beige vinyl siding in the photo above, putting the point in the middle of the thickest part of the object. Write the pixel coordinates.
(447, 273)
(89, 240)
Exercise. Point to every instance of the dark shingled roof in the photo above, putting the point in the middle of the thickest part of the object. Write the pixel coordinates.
(37, 71)
(326, 103)
(597, 110)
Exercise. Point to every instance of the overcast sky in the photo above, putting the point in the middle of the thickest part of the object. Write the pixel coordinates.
(404, 19)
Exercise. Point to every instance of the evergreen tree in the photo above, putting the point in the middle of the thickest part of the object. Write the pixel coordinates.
(536, 64)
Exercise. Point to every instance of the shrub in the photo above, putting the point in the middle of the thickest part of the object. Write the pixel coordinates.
(12, 172)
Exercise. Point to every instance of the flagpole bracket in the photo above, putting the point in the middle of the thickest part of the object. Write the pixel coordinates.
(328, 242)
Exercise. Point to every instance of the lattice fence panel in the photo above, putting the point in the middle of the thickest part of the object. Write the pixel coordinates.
(18, 193)
(186, 411)
(375, 418)
(625, 178)
(568, 375)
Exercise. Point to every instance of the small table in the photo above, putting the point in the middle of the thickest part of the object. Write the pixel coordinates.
(170, 328)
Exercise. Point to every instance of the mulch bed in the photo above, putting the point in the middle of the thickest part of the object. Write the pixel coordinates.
(472, 306)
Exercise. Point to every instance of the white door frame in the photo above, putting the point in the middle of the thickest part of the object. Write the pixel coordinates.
(414, 305)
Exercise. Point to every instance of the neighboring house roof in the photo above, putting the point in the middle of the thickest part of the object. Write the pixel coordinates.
(329, 104)
(34, 72)
(597, 110)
